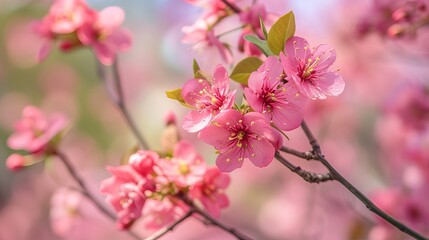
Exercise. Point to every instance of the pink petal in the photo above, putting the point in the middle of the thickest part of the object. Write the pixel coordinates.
(104, 54)
(254, 100)
(296, 48)
(120, 39)
(262, 153)
(211, 206)
(228, 161)
(111, 17)
(331, 83)
(256, 81)
(221, 79)
(326, 57)
(45, 50)
(272, 69)
(214, 135)
(287, 116)
(196, 120)
(191, 90)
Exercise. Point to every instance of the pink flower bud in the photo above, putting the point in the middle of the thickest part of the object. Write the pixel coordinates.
(15, 162)
(143, 161)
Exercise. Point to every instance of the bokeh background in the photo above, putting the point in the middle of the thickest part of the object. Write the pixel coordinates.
(373, 133)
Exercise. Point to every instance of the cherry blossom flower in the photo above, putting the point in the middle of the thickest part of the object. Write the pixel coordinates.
(35, 132)
(309, 69)
(239, 137)
(63, 19)
(105, 35)
(126, 193)
(268, 93)
(209, 99)
(186, 167)
(144, 161)
(202, 38)
(214, 9)
(210, 191)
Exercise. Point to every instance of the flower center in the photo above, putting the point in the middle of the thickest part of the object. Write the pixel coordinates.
(184, 168)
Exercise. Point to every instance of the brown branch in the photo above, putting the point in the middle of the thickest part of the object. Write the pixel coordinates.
(213, 221)
(85, 191)
(164, 231)
(232, 6)
(308, 176)
(317, 151)
(119, 100)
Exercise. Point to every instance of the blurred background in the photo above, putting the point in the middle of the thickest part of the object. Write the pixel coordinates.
(376, 133)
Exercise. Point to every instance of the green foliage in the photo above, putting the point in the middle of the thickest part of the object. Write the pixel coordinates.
(244, 68)
(280, 32)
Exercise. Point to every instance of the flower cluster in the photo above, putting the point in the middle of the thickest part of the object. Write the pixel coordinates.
(395, 19)
(72, 23)
(36, 134)
(275, 96)
(203, 34)
(164, 188)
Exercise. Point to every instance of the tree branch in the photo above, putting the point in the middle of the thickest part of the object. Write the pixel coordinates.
(164, 231)
(85, 191)
(119, 101)
(317, 155)
(232, 6)
(308, 176)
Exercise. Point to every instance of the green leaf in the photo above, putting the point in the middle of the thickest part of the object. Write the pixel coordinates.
(280, 32)
(196, 68)
(261, 44)
(264, 30)
(175, 94)
(244, 68)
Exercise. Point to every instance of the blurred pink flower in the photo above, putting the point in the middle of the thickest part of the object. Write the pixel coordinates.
(65, 207)
(63, 19)
(36, 132)
(210, 191)
(144, 161)
(208, 98)
(214, 9)
(105, 35)
(281, 103)
(160, 213)
(203, 39)
(239, 137)
(309, 69)
(126, 193)
(15, 162)
(186, 167)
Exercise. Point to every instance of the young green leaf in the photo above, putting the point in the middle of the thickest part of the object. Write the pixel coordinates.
(264, 30)
(244, 68)
(261, 44)
(196, 68)
(280, 32)
(175, 94)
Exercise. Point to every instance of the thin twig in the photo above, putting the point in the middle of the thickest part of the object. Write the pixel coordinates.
(232, 6)
(308, 176)
(339, 178)
(214, 221)
(119, 101)
(164, 231)
(304, 155)
(85, 191)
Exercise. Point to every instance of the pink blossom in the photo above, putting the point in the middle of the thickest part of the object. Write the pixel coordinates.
(186, 167)
(35, 132)
(63, 19)
(65, 207)
(208, 98)
(160, 213)
(144, 161)
(15, 162)
(214, 9)
(239, 137)
(247, 47)
(210, 191)
(309, 69)
(268, 93)
(203, 39)
(105, 35)
(126, 193)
